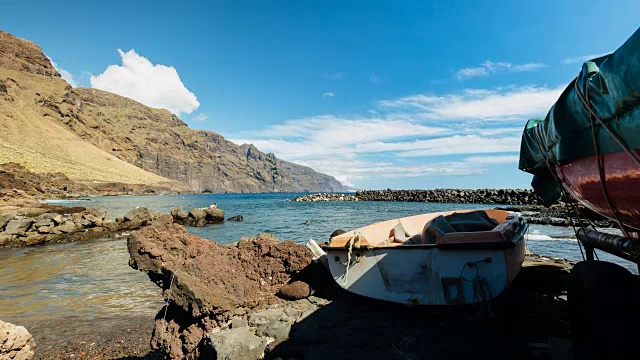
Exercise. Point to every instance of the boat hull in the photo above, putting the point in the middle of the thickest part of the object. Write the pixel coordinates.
(427, 275)
(581, 178)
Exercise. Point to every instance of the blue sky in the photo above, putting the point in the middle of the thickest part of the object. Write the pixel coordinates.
(380, 94)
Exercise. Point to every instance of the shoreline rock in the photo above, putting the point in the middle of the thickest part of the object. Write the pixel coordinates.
(15, 342)
(209, 287)
(53, 227)
(197, 217)
(561, 215)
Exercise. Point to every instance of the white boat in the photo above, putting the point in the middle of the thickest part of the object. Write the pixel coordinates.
(404, 261)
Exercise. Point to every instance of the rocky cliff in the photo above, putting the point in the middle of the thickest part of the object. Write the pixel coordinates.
(154, 140)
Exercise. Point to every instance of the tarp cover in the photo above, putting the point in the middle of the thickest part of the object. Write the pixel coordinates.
(456, 222)
(565, 133)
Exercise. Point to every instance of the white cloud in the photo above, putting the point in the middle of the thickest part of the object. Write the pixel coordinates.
(450, 145)
(157, 86)
(324, 136)
(411, 137)
(345, 147)
(501, 104)
(64, 74)
(374, 79)
(495, 159)
(583, 58)
(328, 95)
(488, 67)
(201, 117)
(350, 172)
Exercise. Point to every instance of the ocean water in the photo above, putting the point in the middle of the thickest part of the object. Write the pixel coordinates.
(93, 279)
(274, 213)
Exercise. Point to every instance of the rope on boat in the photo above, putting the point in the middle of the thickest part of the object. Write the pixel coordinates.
(596, 146)
(351, 243)
(481, 289)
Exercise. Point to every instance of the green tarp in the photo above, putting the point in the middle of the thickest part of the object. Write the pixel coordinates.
(565, 133)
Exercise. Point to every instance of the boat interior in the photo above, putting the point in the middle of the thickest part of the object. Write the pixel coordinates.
(452, 229)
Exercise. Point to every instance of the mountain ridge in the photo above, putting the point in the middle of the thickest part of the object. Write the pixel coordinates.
(154, 140)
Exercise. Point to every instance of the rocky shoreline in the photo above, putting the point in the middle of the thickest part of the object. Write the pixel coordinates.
(265, 298)
(29, 223)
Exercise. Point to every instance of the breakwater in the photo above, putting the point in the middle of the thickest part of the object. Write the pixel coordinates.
(479, 196)
(325, 197)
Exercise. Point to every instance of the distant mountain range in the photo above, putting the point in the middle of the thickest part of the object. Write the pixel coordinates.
(96, 136)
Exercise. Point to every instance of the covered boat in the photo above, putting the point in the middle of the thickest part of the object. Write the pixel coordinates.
(445, 258)
(588, 142)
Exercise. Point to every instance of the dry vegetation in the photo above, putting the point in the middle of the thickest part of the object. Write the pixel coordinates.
(31, 133)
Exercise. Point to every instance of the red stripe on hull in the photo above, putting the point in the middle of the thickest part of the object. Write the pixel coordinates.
(622, 175)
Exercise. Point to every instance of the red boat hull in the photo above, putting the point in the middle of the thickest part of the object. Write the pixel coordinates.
(622, 175)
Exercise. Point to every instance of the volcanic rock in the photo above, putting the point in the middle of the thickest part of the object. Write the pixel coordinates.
(295, 291)
(207, 284)
(237, 344)
(214, 215)
(139, 214)
(15, 342)
(178, 213)
(17, 226)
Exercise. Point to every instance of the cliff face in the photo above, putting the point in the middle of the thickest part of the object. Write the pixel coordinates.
(155, 139)
(33, 102)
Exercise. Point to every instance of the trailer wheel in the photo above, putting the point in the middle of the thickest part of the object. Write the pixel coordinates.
(604, 311)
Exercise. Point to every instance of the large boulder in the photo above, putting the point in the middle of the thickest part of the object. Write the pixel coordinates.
(56, 218)
(17, 226)
(208, 284)
(197, 217)
(43, 222)
(66, 228)
(15, 342)
(95, 216)
(214, 215)
(178, 214)
(4, 219)
(295, 291)
(139, 214)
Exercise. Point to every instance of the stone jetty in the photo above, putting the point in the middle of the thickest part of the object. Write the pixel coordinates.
(325, 197)
(479, 196)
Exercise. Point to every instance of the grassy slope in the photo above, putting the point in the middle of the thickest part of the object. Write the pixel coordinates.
(30, 135)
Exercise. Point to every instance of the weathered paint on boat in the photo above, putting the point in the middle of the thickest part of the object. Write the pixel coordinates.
(581, 178)
(425, 274)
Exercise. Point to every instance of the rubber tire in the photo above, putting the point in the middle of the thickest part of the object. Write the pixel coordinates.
(336, 233)
(604, 311)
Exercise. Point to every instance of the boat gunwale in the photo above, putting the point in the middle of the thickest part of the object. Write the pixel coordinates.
(506, 244)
